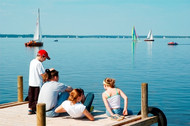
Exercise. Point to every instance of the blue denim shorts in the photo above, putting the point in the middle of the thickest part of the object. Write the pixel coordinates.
(119, 111)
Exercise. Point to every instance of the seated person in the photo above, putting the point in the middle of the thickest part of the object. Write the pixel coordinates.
(53, 93)
(74, 107)
(111, 98)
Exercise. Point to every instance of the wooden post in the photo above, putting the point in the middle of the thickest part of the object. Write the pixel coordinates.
(144, 100)
(20, 88)
(41, 114)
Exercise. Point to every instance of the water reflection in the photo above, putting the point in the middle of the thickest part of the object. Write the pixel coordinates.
(149, 48)
(32, 51)
(133, 46)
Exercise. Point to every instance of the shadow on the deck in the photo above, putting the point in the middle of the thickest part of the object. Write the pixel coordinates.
(94, 113)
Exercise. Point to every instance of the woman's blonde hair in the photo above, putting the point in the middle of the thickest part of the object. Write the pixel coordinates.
(74, 95)
(109, 82)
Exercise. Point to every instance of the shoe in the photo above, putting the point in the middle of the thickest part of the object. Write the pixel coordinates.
(91, 108)
(30, 112)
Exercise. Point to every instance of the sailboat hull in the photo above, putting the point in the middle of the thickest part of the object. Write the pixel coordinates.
(34, 43)
(149, 40)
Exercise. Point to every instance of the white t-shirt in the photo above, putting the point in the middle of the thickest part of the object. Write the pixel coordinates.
(36, 69)
(75, 111)
(49, 93)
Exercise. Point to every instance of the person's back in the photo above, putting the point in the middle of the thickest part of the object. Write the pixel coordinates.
(35, 71)
(111, 99)
(49, 93)
(53, 93)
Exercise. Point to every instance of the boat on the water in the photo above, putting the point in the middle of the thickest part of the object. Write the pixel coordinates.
(135, 37)
(149, 36)
(172, 43)
(37, 40)
(56, 40)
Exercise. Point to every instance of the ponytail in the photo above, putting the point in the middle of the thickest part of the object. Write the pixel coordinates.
(48, 75)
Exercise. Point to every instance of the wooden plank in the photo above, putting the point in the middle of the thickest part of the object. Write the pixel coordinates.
(127, 119)
(144, 122)
(12, 104)
(18, 115)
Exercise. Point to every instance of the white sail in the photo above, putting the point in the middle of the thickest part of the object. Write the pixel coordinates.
(148, 36)
(37, 34)
(151, 36)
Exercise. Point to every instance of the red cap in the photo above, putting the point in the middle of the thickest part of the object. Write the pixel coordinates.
(43, 53)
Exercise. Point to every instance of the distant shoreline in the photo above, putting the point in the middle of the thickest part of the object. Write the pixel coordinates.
(84, 36)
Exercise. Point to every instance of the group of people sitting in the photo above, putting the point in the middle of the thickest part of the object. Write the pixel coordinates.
(60, 98)
(44, 87)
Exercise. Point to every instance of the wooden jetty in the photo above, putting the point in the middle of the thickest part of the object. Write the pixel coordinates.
(16, 113)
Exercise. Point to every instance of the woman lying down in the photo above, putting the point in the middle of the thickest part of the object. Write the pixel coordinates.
(74, 107)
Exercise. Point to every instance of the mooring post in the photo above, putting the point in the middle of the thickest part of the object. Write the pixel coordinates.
(144, 100)
(20, 88)
(41, 116)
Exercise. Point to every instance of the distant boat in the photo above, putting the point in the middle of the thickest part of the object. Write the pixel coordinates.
(55, 40)
(172, 43)
(37, 40)
(134, 34)
(149, 36)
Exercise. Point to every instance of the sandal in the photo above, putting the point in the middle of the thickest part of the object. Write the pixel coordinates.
(117, 117)
(30, 112)
(91, 108)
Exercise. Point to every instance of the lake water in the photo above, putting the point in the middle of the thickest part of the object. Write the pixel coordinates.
(85, 63)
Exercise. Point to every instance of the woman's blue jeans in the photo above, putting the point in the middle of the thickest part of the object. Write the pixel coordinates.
(88, 100)
(119, 111)
(62, 97)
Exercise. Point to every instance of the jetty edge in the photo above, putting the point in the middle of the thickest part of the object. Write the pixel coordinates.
(15, 113)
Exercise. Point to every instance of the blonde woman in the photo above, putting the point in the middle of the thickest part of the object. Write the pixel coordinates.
(74, 107)
(111, 99)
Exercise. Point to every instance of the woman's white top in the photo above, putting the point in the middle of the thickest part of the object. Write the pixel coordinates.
(113, 101)
(76, 110)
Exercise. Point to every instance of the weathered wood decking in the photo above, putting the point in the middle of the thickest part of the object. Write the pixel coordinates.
(17, 115)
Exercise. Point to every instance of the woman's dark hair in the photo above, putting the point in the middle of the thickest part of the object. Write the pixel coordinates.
(49, 75)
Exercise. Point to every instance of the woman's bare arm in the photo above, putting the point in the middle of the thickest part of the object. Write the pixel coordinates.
(69, 89)
(125, 101)
(106, 104)
(88, 115)
(60, 109)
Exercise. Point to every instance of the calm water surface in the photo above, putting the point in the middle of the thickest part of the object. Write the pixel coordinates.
(85, 63)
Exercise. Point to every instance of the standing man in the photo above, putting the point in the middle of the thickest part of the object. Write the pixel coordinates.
(36, 71)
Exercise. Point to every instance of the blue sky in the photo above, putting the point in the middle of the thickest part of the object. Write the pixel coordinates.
(96, 17)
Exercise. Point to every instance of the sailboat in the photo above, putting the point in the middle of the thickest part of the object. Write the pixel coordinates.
(134, 34)
(149, 36)
(37, 40)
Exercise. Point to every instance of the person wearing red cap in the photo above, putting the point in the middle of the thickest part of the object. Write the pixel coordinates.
(36, 71)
